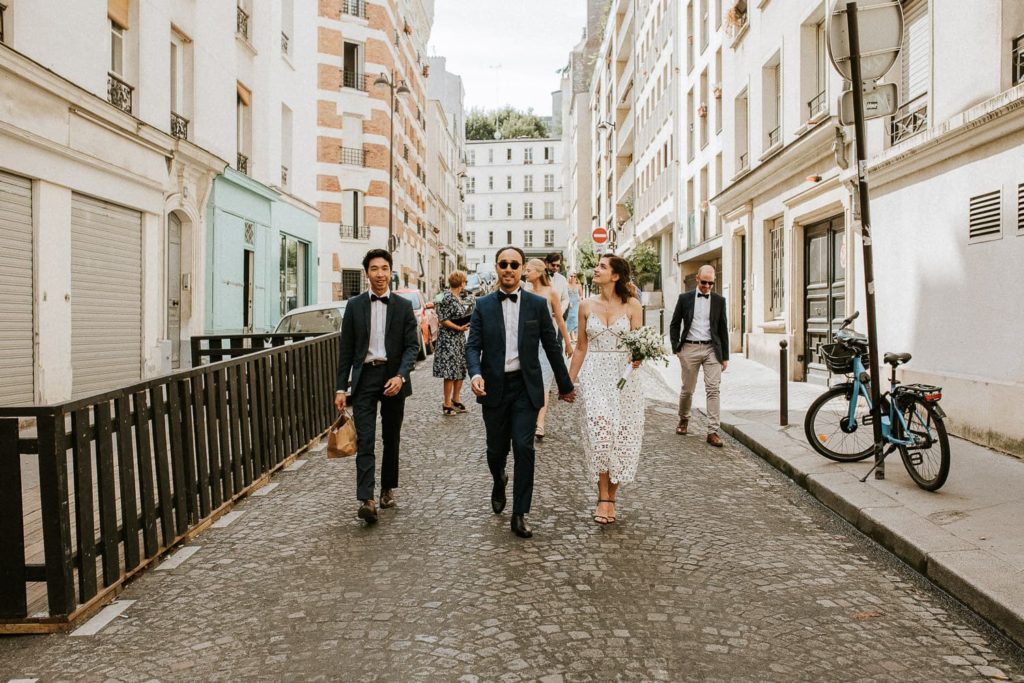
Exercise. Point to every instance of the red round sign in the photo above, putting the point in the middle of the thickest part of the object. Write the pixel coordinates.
(599, 235)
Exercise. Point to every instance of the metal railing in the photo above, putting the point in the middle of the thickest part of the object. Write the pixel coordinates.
(284, 42)
(126, 475)
(3, 8)
(353, 156)
(355, 79)
(817, 105)
(242, 23)
(242, 163)
(355, 8)
(907, 123)
(774, 136)
(179, 126)
(213, 348)
(354, 232)
(119, 93)
(284, 175)
(1017, 57)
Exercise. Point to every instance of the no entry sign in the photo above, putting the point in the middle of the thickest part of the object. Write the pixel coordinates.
(599, 235)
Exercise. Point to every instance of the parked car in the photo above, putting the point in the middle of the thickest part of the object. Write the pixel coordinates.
(426, 317)
(317, 318)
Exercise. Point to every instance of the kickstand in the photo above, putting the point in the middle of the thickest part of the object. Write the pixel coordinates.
(877, 463)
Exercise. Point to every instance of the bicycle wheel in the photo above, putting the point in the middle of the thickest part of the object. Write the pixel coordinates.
(829, 430)
(927, 460)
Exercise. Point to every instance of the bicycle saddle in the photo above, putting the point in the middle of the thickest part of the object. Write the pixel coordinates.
(895, 359)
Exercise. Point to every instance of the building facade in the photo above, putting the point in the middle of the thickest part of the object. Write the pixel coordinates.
(513, 197)
(372, 117)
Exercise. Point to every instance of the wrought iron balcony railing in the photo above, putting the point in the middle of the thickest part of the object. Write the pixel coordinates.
(1018, 60)
(774, 136)
(179, 126)
(242, 23)
(284, 43)
(119, 93)
(355, 79)
(355, 8)
(354, 232)
(242, 164)
(817, 105)
(353, 156)
(907, 123)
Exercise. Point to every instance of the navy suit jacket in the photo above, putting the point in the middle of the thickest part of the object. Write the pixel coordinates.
(401, 341)
(485, 348)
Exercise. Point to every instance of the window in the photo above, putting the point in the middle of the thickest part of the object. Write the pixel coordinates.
(691, 140)
(528, 238)
(508, 154)
(490, 210)
(352, 67)
(4, 37)
(549, 210)
(490, 155)
(776, 252)
(718, 91)
(471, 239)
(508, 182)
(293, 273)
(287, 11)
(508, 210)
(508, 237)
(116, 49)
(181, 72)
(704, 24)
(528, 155)
(528, 210)
(549, 238)
(490, 182)
(471, 212)
(490, 238)
(549, 182)
(702, 110)
(243, 127)
(470, 185)
(771, 78)
(353, 282)
(690, 37)
(549, 155)
(915, 65)
(1017, 56)
(528, 183)
(471, 158)
(740, 109)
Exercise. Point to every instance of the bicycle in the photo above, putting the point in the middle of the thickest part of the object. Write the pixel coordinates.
(838, 424)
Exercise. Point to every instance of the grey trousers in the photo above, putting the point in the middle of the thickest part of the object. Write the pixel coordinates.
(693, 357)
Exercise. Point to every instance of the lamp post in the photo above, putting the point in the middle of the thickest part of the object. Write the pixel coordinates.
(396, 90)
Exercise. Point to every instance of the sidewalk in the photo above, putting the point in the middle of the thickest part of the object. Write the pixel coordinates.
(967, 538)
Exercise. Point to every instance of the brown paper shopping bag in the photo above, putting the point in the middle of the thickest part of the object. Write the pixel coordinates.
(341, 438)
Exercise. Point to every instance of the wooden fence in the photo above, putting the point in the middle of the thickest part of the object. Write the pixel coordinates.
(125, 475)
(214, 347)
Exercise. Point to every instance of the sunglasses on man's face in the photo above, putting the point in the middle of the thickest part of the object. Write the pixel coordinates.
(506, 265)
(707, 283)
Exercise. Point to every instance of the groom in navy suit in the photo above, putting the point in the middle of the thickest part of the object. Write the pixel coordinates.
(502, 354)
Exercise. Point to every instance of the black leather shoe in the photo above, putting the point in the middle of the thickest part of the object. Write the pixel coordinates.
(387, 499)
(519, 527)
(498, 495)
(368, 511)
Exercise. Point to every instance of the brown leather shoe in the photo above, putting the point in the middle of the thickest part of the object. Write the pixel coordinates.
(387, 499)
(368, 511)
(682, 426)
(715, 440)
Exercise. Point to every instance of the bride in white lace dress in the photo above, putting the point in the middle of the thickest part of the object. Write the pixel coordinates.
(613, 419)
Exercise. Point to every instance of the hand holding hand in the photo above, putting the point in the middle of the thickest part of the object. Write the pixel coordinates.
(339, 401)
(393, 386)
(464, 328)
(477, 385)
(568, 398)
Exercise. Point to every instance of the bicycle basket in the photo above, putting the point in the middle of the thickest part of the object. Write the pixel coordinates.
(837, 358)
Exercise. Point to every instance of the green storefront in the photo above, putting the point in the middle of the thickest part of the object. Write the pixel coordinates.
(261, 255)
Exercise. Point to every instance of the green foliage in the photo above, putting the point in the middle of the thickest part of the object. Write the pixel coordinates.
(645, 264)
(511, 123)
(586, 260)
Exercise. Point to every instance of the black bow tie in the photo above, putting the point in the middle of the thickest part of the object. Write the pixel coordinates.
(382, 299)
(704, 296)
(513, 297)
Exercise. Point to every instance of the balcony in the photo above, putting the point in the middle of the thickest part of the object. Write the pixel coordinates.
(179, 126)
(909, 120)
(354, 232)
(1017, 59)
(242, 164)
(624, 187)
(354, 8)
(355, 80)
(119, 93)
(242, 23)
(817, 105)
(353, 156)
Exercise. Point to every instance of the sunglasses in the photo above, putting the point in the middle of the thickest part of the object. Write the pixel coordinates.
(505, 265)
(707, 283)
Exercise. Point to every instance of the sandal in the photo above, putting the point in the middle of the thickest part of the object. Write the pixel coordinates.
(539, 432)
(447, 410)
(611, 517)
(603, 519)
(459, 408)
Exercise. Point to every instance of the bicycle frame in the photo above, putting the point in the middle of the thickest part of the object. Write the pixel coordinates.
(861, 389)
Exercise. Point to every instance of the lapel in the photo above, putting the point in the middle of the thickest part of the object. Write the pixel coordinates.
(389, 314)
(522, 316)
(691, 305)
(499, 323)
(365, 305)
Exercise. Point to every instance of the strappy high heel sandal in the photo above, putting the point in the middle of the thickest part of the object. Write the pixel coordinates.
(611, 517)
(603, 519)
(447, 411)
(459, 408)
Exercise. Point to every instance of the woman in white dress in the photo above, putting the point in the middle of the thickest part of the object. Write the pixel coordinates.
(613, 419)
(538, 282)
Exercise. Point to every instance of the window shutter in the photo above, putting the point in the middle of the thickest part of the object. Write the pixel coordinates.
(244, 94)
(985, 210)
(917, 43)
(117, 12)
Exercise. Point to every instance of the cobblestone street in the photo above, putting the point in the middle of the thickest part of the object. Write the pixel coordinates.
(718, 568)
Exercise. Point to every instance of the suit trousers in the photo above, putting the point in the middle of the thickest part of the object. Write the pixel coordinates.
(513, 422)
(364, 410)
(692, 358)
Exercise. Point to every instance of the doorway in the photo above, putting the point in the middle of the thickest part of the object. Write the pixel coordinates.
(247, 290)
(174, 288)
(824, 290)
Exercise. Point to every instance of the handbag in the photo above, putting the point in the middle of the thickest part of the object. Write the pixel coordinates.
(341, 437)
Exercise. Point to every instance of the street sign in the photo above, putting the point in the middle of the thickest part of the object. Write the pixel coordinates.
(393, 243)
(881, 36)
(599, 235)
(878, 101)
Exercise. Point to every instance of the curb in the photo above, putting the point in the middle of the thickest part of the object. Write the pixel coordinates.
(988, 586)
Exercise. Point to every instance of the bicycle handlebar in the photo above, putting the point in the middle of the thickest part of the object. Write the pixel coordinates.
(846, 323)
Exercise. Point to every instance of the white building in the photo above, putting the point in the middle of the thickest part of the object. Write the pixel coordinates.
(117, 118)
(513, 197)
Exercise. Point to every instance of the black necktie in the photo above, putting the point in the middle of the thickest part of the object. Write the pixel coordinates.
(704, 296)
(382, 299)
(513, 297)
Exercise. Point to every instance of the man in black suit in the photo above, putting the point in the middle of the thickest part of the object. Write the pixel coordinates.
(704, 343)
(378, 346)
(502, 355)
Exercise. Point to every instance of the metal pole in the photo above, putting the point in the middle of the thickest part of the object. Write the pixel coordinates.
(783, 384)
(865, 220)
(391, 169)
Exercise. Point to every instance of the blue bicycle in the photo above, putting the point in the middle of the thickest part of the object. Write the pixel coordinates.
(838, 423)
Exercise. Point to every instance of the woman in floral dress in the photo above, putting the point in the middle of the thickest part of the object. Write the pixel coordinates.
(450, 350)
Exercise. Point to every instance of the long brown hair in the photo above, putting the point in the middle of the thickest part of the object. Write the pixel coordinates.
(620, 267)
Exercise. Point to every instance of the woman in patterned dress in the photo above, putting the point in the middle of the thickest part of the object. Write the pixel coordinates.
(538, 282)
(450, 351)
(613, 418)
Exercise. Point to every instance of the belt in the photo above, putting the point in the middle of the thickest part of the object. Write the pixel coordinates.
(375, 363)
(514, 373)
(702, 341)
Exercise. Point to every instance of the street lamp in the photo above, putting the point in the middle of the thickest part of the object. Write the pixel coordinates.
(396, 90)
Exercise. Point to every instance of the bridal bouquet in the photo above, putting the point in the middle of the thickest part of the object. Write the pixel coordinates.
(643, 343)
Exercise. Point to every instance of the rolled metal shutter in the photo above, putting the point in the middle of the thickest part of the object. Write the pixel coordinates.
(916, 69)
(106, 296)
(16, 362)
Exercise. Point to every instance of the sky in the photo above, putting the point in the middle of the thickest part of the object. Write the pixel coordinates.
(507, 51)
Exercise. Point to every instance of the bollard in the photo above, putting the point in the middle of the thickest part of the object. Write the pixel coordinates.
(783, 384)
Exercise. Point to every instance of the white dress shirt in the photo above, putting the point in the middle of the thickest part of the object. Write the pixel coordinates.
(700, 327)
(561, 287)
(510, 313)
(378, 322)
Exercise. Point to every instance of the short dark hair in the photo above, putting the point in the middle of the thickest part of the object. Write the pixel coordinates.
(553, 256)
(522, 255)
(377, 253)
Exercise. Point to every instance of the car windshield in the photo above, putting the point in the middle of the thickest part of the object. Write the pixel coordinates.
(473, 281)
(317, 322)
(414, 297)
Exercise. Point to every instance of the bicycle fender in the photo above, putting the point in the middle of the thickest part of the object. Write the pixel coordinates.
(939, 412)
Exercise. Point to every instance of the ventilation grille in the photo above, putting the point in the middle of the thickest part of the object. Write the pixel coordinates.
(1020, 206)
(985, 209)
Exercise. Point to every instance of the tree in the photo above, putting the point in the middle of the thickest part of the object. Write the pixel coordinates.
(586, 260)
(645, 264)
(479, 125)
(511, 123)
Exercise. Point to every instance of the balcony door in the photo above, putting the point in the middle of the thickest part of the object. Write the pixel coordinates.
(824, 290)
